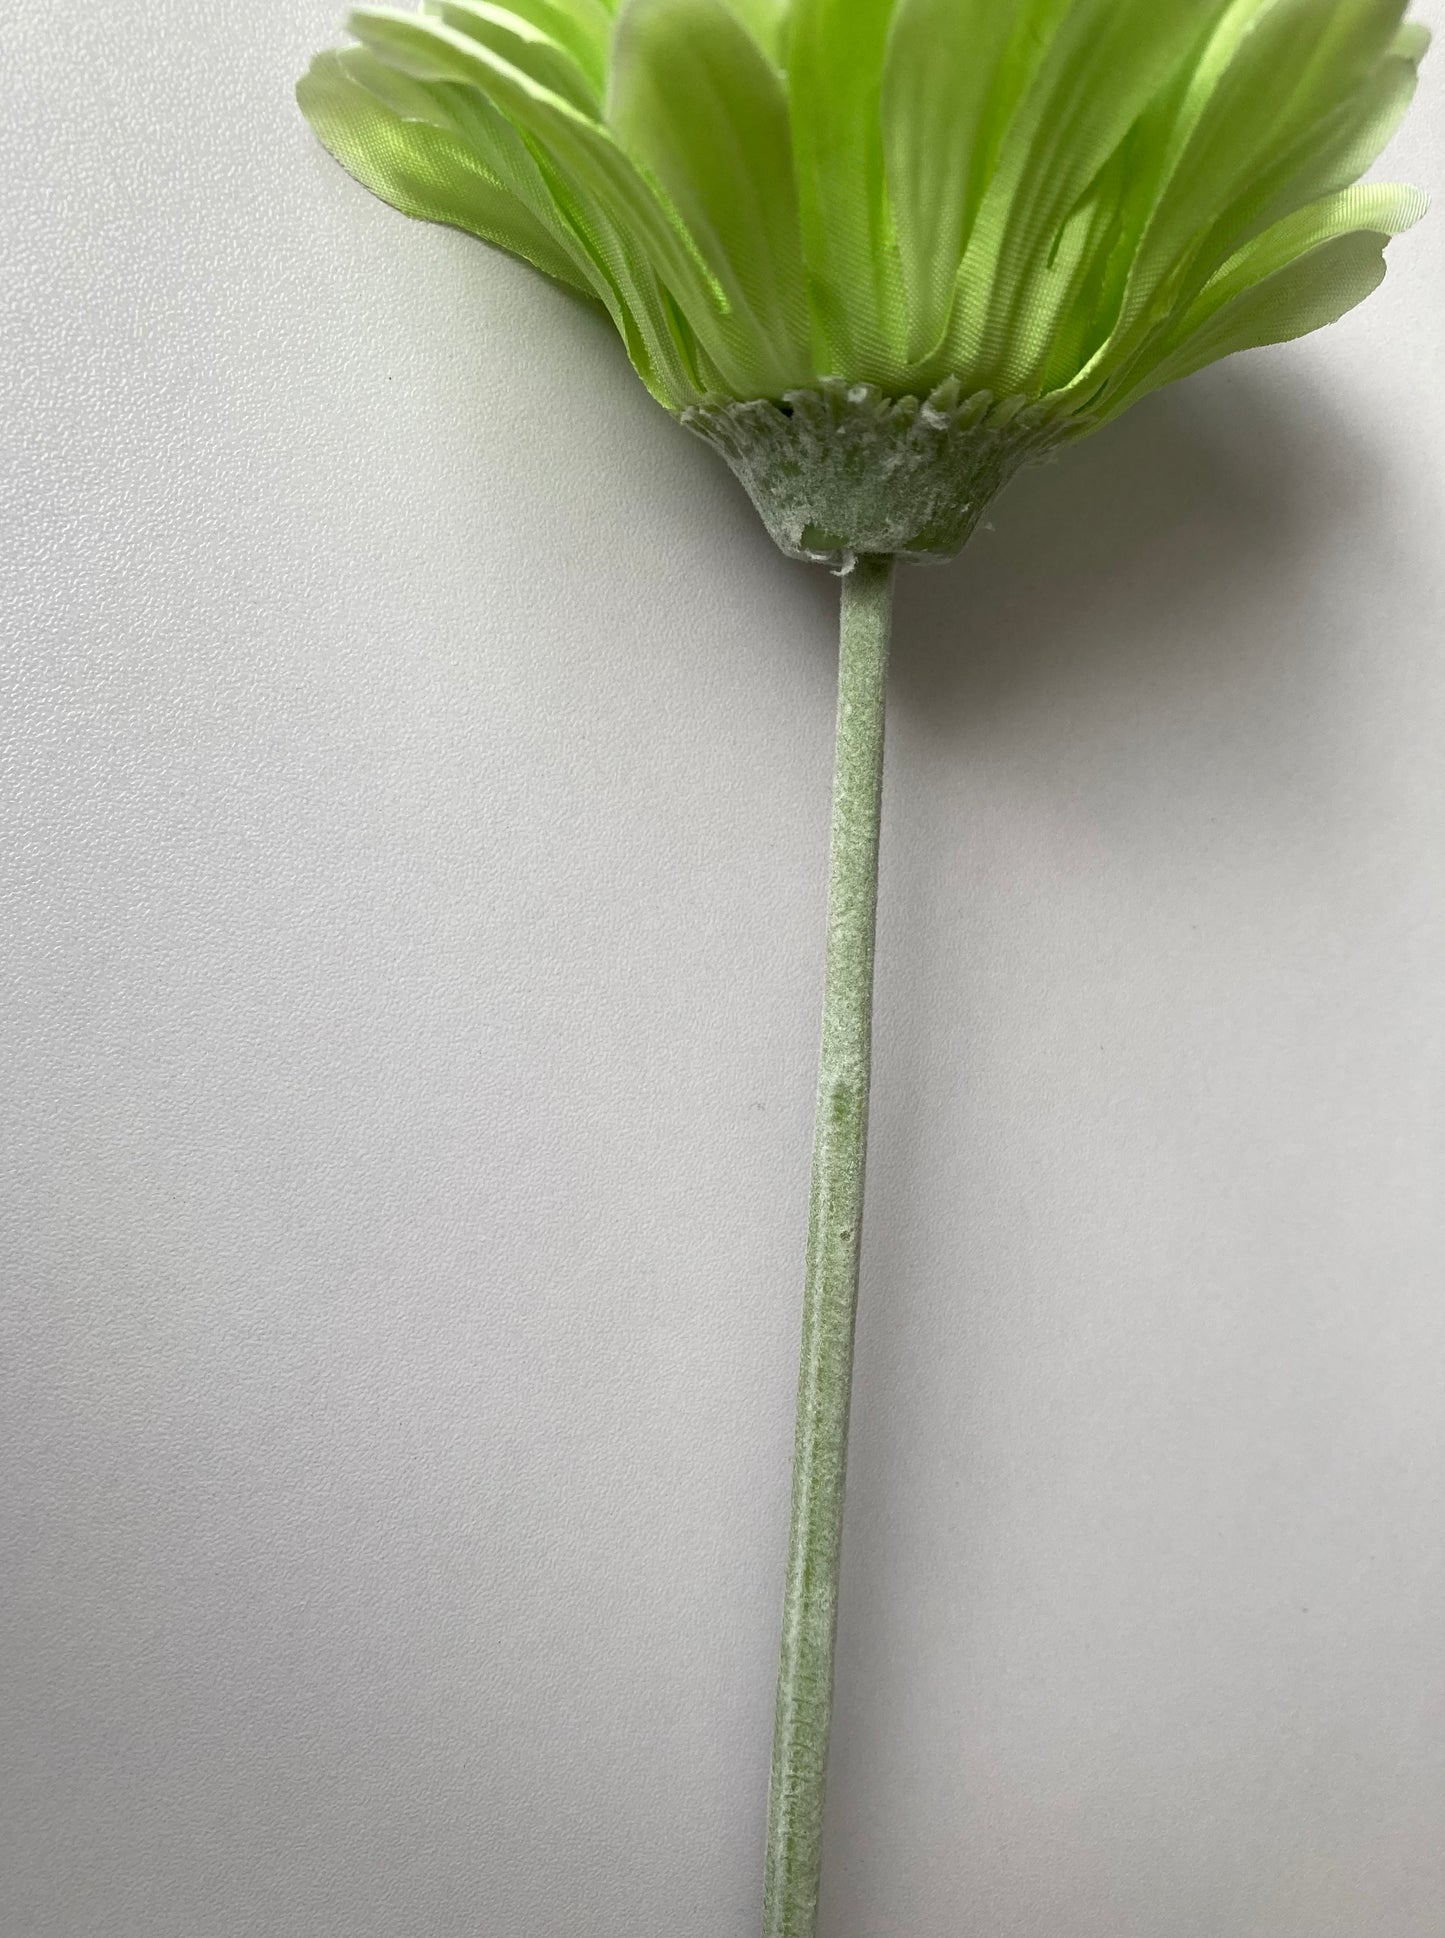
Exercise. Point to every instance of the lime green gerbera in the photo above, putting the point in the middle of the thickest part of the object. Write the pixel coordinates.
(880, 253)
(1030, 212)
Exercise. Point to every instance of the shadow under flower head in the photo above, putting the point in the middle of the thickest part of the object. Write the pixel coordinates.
(1046, 207)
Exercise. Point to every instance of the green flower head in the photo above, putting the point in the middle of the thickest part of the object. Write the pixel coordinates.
(930, 227)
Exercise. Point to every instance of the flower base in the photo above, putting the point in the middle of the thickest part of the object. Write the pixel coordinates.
(844, 472)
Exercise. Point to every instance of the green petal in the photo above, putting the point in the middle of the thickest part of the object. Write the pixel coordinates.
(835, 63)
(647, 254)
(1284, 99)
(953, 76)
(1335, 149)
(1080, 289)
(1109, 61)
(493, 146)
(420, 44)
(465, 113)
(580, 29)
(1304, 273)
(698, 107)
(1236, 165)
(451, 66)
(767, 22)
(423, 170)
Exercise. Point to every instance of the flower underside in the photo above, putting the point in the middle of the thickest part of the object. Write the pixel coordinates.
(1055, 205)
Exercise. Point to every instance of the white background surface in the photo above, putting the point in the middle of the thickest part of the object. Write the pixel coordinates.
(416, 772)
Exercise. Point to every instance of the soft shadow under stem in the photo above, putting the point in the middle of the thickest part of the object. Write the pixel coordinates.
(830, 1298)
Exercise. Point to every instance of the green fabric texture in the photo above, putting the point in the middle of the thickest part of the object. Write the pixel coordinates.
(1066, 202)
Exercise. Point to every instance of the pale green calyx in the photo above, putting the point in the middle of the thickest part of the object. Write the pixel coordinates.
(1060, 203)
(841, 472)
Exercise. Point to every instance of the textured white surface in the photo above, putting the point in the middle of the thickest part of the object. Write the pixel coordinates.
(415, 787)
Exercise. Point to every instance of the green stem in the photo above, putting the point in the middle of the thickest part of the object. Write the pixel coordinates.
(830, 1298)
